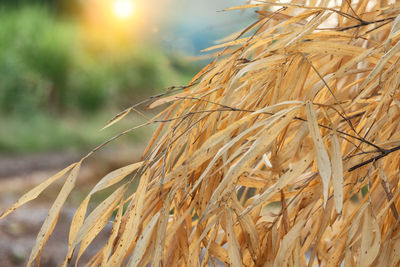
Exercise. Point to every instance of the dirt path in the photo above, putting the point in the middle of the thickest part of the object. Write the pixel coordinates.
(17, 165)
(18, 174)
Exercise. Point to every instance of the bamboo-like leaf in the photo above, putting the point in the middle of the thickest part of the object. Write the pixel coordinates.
(168, 99)
(233, 245)
(324, 165)
(114, 232)
(52, 217)
(144, 240)
(36, 191)
(117, 118)
(132, 221)
(96, 221)
(287, 242)
(249, 229)
(355, 224)
(332, 48)
(175, 225)
(369, 248)
(115, 176)
(337, 173)
(393, 32)
(244, 7)
(161, 232)
(232, 43)
(76, 224)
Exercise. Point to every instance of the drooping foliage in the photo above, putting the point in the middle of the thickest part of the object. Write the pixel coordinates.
(284, 151)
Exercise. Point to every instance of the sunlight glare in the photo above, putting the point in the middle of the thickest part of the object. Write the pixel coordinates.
(123, 9)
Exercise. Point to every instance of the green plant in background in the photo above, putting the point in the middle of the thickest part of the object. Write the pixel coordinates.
(48, 72)
(45, 65)
(34, 57)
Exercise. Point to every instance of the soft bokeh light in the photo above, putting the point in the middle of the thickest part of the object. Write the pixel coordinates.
(124, 9)
(112, 25)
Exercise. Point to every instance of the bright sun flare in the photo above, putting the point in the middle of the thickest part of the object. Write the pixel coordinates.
(123, 9)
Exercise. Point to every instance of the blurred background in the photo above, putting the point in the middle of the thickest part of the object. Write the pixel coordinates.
(66, 68)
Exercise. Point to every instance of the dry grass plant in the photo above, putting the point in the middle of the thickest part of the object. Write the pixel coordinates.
(256, 162)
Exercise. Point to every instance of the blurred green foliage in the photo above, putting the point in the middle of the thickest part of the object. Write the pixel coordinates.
(69, 7)
(34, 59)
(48, 75)
(45, 66)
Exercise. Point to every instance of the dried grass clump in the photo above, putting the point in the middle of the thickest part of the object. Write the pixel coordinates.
(260, 160)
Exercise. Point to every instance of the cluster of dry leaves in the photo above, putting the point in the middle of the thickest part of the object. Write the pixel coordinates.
(284, 151)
